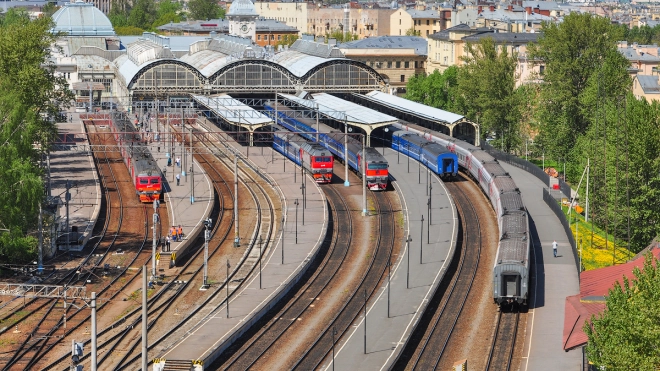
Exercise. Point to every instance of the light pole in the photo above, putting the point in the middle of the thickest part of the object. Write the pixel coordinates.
(334, 333)
(227, 284)
(296, 203)
(153, 245)
(421, 244)
(408, 270)
(303, 203)
(207, 237)
(260, 241)
(346, 182)
(282, 231)
(365, 321)
(389, 278)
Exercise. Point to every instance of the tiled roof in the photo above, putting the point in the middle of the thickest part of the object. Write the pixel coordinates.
(649, 84)
(389, 42)
(510, 37)
(594, 288)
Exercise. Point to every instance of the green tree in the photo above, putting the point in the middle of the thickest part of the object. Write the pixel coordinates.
(168, 11)
(340, 36)
(31, 94)
(627, 334)
(572, 51)
(119, 13)
(205, 9)
(288, 40)
(412, 32)
(143, 14)
(129, 31)
(436, 90)
(49, 9)
(15, 16)
(486, 91)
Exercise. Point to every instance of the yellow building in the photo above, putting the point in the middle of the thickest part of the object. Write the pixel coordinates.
(423, 22)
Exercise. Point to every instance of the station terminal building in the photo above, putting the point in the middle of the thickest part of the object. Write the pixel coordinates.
(139, 68)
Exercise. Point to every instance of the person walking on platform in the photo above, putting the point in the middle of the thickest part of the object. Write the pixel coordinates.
(178, 162)
(179, 232)
(554, 248)
(178, 179)
(167, 243)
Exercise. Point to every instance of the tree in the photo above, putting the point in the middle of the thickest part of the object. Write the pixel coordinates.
(340, 36)
(205, 9)
(119, 12)
(31, 94)
(168, 11)
(287, 40)
(572, 51)
(143, 14)
(436, 90)
(626, 336)
(412, 32)
(49, 9)
(486, 90)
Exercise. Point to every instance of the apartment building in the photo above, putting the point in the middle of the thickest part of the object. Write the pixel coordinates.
(364, 22)
(396, 58)
(292, 14)
(423, 22)
(644, 59)
(448, 47)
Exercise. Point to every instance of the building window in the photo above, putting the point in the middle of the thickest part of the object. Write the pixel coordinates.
(279, 37)
(415, 64)
(389, 64)
(398, 64)
(258, 37)
(406, 64)
(428, 22)
(541, 70)
(403, 78)
(445, 60)
(272, 37)
(427, 32)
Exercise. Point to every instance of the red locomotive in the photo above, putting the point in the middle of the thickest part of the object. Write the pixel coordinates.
(144, 170)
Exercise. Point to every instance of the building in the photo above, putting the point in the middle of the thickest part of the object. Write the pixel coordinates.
(242, 18)
(647, 87)
(447, 48)
(395, 58)
(423, 22)
(644, 59)
(292, 14)
(267, 31)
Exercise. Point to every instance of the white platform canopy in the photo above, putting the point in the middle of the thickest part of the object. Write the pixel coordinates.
(234, 112)
(409, 108)
(342, 110)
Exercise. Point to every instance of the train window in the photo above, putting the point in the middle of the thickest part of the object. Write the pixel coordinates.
(144, 181)
(377, 166)
(155, 180)
(327, 159)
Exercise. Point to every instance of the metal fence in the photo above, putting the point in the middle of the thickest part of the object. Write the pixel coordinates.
(556, 208)
(517, 162)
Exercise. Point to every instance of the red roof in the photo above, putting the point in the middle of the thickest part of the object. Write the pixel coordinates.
(594, 288)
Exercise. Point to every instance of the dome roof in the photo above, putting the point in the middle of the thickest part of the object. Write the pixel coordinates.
(82, 19)
(242, 7)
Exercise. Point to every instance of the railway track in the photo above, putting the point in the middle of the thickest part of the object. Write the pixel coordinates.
(216, 299)
(354, 306)
(428, 343)
(279, 322)
(504, 341)
(39, 343)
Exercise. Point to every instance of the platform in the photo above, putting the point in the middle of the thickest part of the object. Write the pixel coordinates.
(67, 163)
(552, 281)
(386, 337)
(209, 339)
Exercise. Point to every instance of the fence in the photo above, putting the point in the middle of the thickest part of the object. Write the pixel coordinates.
(527, 166)
(556, 208)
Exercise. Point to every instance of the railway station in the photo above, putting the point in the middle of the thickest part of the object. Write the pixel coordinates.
(288, 225)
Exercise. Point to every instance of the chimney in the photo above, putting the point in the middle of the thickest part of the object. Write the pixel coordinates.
(528, 10)
(492, 8)
(509, 8)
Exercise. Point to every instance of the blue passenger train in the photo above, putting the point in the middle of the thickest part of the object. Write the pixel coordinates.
(436, 157)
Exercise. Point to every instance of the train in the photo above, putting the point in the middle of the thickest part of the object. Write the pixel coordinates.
(144, 171)
(511, 271)
(432, 155)
(377, 168)
(313, 157)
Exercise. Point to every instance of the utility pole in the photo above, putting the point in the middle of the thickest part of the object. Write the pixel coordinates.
(67, 198)
(145, 347)
(237, 240)
(346, 182)
(93, 306)
(40, 266)
(154, 243)
(364, 179)
(192, 169)
(408, 270)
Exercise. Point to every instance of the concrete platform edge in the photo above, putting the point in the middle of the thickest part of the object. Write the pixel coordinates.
(284, 290)
(424, 305)
(97, 208)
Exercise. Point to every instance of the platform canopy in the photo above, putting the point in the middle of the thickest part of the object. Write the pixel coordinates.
(414, 112)
(234, 111)
(342, 110)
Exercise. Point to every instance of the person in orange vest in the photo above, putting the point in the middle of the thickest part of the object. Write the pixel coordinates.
(173, 233)
(179, 232)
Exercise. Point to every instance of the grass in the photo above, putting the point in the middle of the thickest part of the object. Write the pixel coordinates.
(597, 252)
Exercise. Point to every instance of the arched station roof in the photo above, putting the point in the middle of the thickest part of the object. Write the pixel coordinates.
(81, 19)
(230, 63)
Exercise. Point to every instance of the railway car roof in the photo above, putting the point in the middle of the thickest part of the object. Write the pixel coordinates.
(435, 149)
(513, 250)
(415, 139)
(512, 201)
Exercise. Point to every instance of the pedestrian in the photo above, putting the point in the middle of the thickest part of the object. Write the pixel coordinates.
(178, 179)
(178, 162)
(173, 233)
(179, 232)
(70, 118)
(554, 248)
(167, 243)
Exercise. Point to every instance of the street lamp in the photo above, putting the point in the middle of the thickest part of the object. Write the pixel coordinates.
(408, 240)
(296, 203)
(207, 235)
